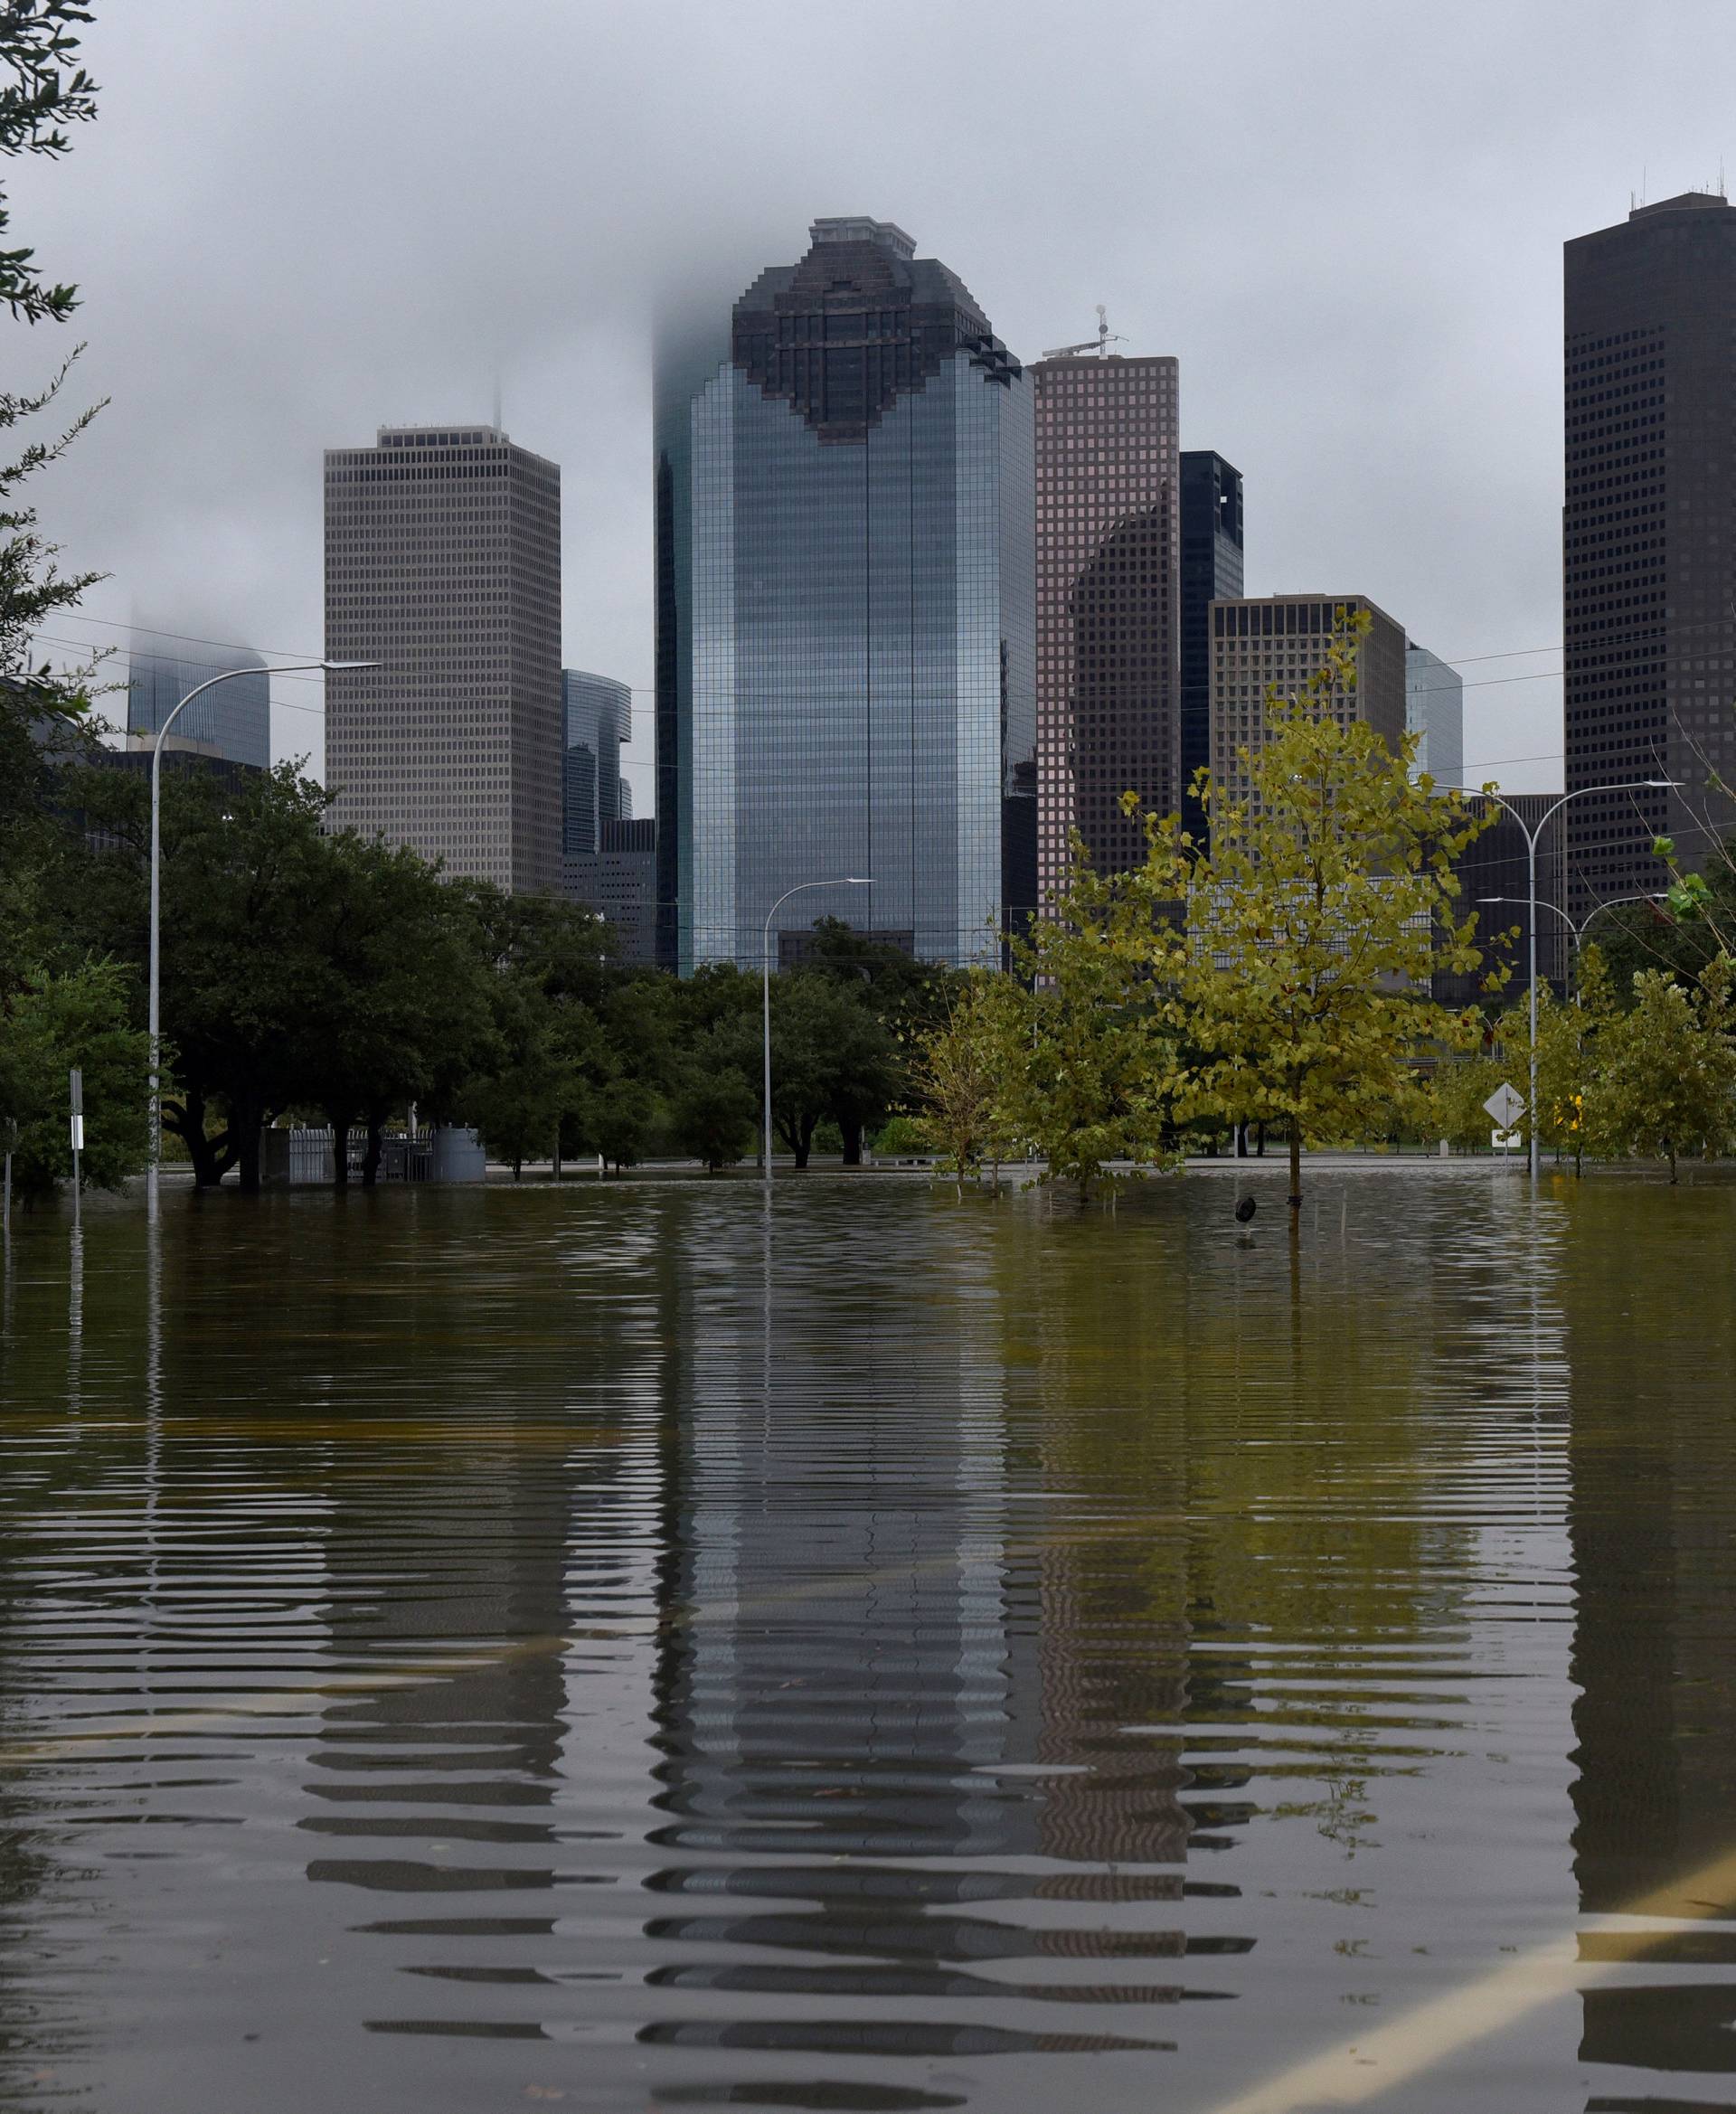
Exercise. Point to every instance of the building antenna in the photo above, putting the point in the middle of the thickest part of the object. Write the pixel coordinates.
(497, 396)
(1099, 344)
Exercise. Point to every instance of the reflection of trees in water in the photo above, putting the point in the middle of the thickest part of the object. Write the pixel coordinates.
(75, 1564)
(1653, 1451)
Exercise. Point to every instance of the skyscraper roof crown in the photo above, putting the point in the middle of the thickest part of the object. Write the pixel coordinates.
(1684, 202)
(858, 228)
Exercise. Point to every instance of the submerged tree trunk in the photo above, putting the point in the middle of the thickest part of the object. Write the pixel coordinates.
(212, 1157)
(851, 1128)
(246, 1116)
(371, 1153)
(340, 1117)
(1296, 1174)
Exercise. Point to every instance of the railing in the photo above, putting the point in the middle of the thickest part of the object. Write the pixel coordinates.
(308, 1161)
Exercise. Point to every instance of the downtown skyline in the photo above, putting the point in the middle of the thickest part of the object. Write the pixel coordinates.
(1447, 270)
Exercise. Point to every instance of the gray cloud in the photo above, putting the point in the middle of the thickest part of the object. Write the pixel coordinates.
(294, 224)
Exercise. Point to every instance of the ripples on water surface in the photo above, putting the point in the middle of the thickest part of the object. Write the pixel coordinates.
(460, 1651)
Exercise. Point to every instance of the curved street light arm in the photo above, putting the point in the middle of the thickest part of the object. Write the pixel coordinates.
(210, 682)
(837, 881)
(1532, 836)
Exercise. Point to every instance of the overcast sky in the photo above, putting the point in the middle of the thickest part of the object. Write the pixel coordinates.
(292, 224)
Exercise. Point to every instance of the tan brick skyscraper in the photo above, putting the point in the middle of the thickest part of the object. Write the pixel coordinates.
(1108, 668)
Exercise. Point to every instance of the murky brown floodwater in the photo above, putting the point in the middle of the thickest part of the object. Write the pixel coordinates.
(461, 1651)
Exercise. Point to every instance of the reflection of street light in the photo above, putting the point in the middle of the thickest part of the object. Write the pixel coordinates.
(842, 881)
(1531, 838)
(228, 676)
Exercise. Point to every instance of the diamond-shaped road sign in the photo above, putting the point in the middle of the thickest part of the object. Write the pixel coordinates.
(1504, 1106)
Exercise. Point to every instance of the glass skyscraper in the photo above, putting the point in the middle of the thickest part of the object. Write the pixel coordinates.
(597, 713)
(233, 721)
(846, 589)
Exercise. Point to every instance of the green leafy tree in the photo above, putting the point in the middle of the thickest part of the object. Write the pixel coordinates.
(1667, 1084)
(51, 1022)
(242, 961)
(902, 1001)
(519, 1102)
(399, 1011)
(46, 91)
(712, 1114)
(831, 1055)
(551, 973)
(620, 1119)
(42, 90)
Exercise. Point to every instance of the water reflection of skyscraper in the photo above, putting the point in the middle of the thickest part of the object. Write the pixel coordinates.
(1653, 1476)
(867, 1731)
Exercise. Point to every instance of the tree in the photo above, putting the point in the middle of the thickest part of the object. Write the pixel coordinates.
(40, 713)
(550, 960)
(36, 43)
(52, 1022)
(1089, 1058)
(1667, 1082)
(519, 1102)
(242, 961)
(1316, 920)
(1570, 1054)
(961, 1065)
(712, 1116)
(399, 1010)
(619, 1120)
(901, 1000)
(1457, 1090)
(831, 1054)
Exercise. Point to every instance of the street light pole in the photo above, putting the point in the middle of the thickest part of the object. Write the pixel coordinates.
(842, 881)
(228, 676)
(1532, 837)
(1580, 929)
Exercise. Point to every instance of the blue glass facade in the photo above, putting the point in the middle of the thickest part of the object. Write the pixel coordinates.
(233, 721)
(846, 585)
(597, 717)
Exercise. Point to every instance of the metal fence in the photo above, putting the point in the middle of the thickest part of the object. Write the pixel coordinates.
(308, 1159)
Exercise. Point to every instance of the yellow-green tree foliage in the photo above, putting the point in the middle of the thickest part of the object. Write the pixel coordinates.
(1325, 904)
(1666, 1082)
(961, 1067)
(1090, 1070)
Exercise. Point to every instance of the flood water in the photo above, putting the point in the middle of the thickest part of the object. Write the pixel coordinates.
(625, 1649)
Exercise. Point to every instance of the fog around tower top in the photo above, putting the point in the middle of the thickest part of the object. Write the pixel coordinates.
(294, 225)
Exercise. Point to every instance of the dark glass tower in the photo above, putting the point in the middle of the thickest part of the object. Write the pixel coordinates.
(596, 714)
(845, 578)
(1648, 561)
(1211, 571)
